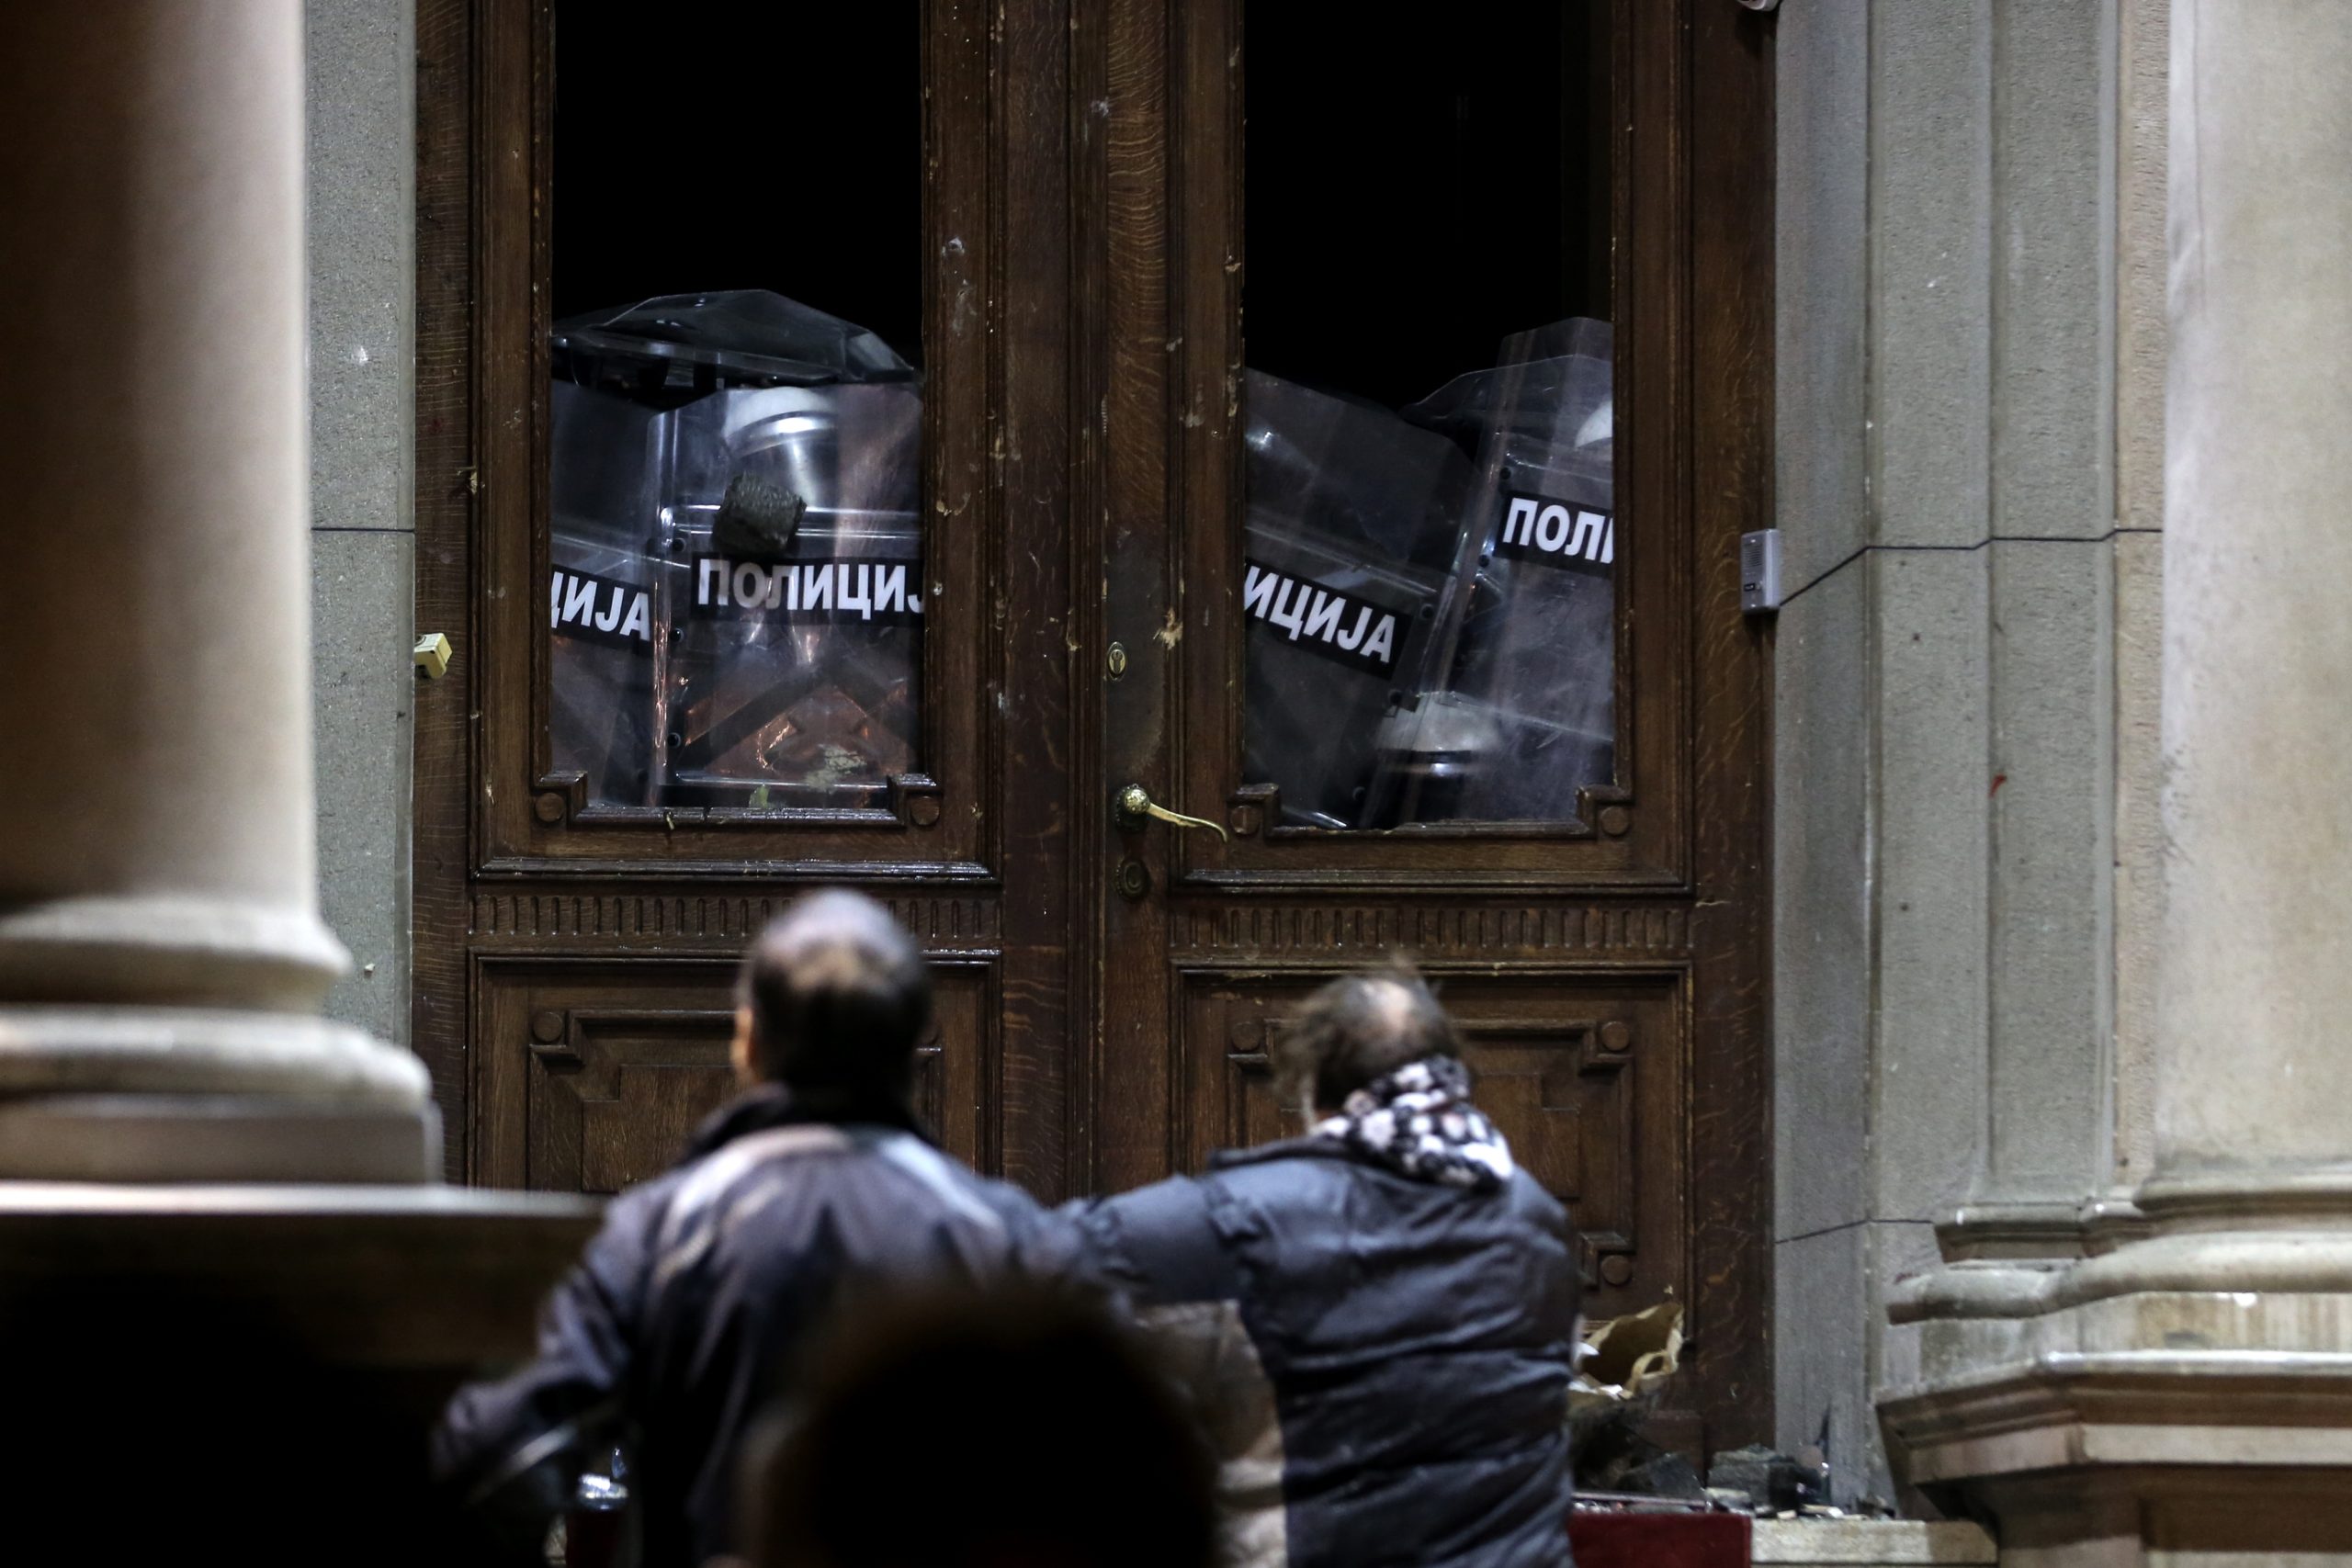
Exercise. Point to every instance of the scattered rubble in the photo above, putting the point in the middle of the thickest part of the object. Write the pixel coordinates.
(1621, 1366)
(1769, 1479)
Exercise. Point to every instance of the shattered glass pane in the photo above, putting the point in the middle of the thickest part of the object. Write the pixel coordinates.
(736, 594)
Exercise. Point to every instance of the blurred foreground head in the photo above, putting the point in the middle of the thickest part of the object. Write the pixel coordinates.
(1013, 1429)
(1357, 1029)
(833, 1000)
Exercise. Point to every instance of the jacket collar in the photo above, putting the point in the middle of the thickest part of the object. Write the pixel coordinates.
(771, 1105)
(1311, 1148)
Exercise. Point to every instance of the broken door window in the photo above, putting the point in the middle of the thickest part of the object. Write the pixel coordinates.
(1428, 417)
(736, 591)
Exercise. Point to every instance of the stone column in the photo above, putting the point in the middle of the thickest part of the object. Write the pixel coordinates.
(161, 954)
(2255, 996)
(2191, 1391)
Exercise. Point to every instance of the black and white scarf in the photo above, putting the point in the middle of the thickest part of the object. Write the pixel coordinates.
(1419, 1122)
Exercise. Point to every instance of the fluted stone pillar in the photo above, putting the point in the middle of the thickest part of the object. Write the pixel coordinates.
(161, 954)
(2190, 1392)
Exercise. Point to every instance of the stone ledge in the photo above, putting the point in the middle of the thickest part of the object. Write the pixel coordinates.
(2026, 1234)
(2064, 1412)
(257, 1365)
(2302, 1264)
(1866, 1543)
(1982, 1230)
(385, 1276)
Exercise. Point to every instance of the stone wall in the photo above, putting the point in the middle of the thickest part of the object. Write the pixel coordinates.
(362, 110)
(1969, 403)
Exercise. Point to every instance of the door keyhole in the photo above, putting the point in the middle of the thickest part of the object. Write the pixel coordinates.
(1131, 878)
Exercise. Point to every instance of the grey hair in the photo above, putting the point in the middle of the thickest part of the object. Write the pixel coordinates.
(1357, 1029)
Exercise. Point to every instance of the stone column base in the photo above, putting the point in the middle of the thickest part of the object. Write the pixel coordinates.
(94, 1093)
(2184, 1393)
(161, 1138)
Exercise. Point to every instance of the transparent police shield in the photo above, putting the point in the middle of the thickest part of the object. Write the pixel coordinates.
(603, 488)
(1517, 710)
(1351, 521)
(736, 595)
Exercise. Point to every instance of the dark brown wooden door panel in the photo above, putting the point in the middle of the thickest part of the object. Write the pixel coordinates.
(1584, 1072)
(614, 1098)
(1608, 966)
(520, 875)
(595, 1071)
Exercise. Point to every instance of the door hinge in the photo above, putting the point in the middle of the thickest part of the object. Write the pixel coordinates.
(1759, 571)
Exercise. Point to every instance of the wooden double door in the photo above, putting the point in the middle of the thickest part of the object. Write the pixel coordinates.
(1074, 232)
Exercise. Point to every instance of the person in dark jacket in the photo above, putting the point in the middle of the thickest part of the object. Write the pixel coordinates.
(813, 1192)
(1378, 1320)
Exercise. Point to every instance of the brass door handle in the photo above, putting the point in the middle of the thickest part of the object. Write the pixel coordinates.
(1132, 807)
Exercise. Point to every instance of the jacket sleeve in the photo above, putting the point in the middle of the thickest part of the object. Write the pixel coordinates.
(1153, 1246)
(511, 1451)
